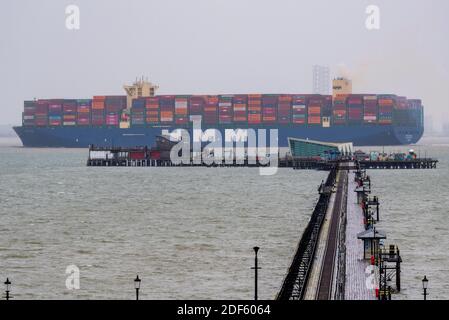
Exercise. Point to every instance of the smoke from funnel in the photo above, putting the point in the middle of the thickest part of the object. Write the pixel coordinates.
(343, 71)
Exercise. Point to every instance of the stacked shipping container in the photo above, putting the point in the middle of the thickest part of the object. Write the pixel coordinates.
(240, 108)
(41, 113)
(225, 112)
(386, 106)
(314, 110)
(254, 108)
(299, 109)
(152, 110)
(138, 112)
(181, 109)
(269, 106)
(196, 105)
(84, 112)
(326, 110)
(69, 113)
(403, 115)
(209, 106)
(167, 105)
(339, 110)
(55, 110)
(98, 111)
(284, 109)
(355, 109)
(370, 109)
(114, 106)
(29, 113)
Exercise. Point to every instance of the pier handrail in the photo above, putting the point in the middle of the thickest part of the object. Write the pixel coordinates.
(296, 279)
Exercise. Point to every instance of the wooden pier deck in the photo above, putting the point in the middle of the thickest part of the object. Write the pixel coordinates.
(356, 267)
(145, 157)
(311, 289)
(338, 267)
(327, 282)
(297, 164)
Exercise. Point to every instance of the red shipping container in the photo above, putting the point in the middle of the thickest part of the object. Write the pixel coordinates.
(137, 155)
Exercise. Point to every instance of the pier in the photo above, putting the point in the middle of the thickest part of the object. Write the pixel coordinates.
(150, 157)
(341, 254)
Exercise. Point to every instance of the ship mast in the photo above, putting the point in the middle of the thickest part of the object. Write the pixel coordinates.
(140, 88)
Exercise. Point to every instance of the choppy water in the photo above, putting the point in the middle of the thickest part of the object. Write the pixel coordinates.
(189, 232)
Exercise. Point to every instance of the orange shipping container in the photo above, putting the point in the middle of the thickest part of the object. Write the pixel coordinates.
(97, 104)
(314, 120)
(285, 98)
(254, 116)
(314, 110)
(181, 111)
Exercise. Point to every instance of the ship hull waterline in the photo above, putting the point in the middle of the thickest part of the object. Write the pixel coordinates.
(82, 137)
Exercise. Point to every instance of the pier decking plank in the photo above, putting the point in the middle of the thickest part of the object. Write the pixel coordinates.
(315, 273)
(355, 286)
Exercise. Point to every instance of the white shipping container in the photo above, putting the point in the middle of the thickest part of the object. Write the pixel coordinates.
(181, 104)
(100, 155)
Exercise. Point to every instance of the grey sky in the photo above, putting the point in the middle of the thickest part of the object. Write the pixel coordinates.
(221, 46)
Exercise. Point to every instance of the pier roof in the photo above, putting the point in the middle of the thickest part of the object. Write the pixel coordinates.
(372, 234)
(311, 148)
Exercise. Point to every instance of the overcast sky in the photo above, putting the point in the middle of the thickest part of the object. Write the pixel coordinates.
(221, 46)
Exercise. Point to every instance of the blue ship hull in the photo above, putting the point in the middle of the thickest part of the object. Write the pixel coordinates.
(81, 137)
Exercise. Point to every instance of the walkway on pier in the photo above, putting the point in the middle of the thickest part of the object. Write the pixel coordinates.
(356, 276)
(322, 279)
(315, 272)
(330, 262)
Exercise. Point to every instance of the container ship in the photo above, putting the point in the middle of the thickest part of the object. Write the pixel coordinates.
(137, 118)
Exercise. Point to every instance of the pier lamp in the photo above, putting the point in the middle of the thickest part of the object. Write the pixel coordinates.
(425, 282)
(137, 286)
(7, 287)
(256, 267)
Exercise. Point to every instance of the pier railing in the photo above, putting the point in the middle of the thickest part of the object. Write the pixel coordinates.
(296, 279)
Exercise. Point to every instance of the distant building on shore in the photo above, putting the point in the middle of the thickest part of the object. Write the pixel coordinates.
(429, 127)
(321, 80)
(446, 129)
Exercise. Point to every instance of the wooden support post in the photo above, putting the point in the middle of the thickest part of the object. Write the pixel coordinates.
(398, 271)
(377, 211)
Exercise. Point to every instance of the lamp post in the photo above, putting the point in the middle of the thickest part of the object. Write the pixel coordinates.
(425, 282)
(256, 267)
(137, 286)
(8, 288)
